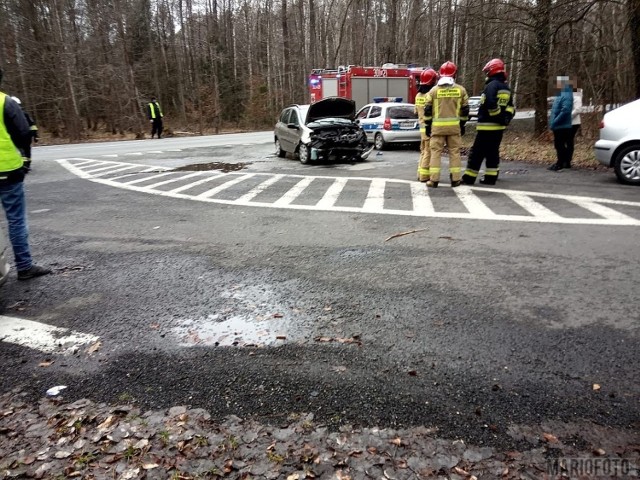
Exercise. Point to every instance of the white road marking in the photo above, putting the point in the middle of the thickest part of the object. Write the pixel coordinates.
(144, 179)
(224, 186)
(191, 185)
(121, 169)
(534, 208)
(472, 203)
(333, 192)
(113, 155)
(131, 154)
(40, 336)
(419, 203)
(422, 204)
(171, 180)
(254, 192)
(375, 196)
(294, 192)
(41, 210)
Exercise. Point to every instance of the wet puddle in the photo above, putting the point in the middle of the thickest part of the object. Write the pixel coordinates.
(251, 318)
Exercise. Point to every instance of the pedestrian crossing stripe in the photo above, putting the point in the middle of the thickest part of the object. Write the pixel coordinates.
(420, 202)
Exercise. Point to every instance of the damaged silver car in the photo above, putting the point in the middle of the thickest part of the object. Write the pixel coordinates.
(324, 130)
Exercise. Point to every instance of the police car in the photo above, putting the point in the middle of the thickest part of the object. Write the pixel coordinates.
(386, 122)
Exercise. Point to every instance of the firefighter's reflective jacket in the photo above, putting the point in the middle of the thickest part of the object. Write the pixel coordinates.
(420, 101)
(446, 107)
(496, 105)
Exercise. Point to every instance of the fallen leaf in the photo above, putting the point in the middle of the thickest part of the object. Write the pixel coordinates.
(281, 337)
(328, 308)
(413, 373)
(324, 339)
(154, 326)
(396, 441)
(150, 466)
(46, 363)
(505, 472)
(372, 450)
(460, 471)
(550, 438)
(293, 476)
(278, 315)
(401, 464)
(596, 387)
(599, 452)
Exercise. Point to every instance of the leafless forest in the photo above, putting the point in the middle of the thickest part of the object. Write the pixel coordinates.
(91, 65)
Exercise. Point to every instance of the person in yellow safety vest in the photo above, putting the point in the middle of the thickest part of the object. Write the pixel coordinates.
(495, 113)
(155, 116)
(428, 79)
(15, 135)
(446, 113)
(33, 131)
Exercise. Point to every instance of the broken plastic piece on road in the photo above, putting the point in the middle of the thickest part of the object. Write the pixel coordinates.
(55, 391)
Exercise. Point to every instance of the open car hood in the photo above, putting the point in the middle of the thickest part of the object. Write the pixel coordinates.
(331, 107)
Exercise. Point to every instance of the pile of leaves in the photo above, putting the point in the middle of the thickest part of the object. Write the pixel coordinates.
(54, 439)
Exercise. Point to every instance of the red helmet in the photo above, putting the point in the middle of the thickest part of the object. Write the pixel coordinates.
(428, 76)
(448, 69)
(493, 67)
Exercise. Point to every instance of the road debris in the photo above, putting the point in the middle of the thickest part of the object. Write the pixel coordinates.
(55, 391)
(402, 234)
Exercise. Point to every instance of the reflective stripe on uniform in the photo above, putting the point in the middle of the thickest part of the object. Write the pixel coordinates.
(434, 169)
(471, 173)
(423, 171)
(33, 127)
(490, 126)
(492, 172)
(446, 122)
(455, 169)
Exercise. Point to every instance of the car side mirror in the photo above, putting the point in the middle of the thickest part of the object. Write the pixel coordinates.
(293, 126)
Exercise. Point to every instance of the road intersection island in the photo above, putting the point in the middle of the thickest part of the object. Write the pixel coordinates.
(383, 196)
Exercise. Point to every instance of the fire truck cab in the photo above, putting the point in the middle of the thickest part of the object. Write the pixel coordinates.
(363, 84)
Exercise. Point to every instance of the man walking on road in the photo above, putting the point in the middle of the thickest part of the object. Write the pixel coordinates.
(495, 113)
(446, 113)
(155, 116)
(14, 135)
(428, 79)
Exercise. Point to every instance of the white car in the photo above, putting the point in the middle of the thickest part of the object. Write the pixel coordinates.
(619, 144)
(389, 122)
(4, 253)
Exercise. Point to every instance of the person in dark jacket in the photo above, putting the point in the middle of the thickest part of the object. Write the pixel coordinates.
(33, 133)
(155, 116)
(560, 124)
(15, 135)
(495, 113)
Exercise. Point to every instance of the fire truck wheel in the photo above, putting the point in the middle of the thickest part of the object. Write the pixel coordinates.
(279, 151)
(379, 142)
(303, 153)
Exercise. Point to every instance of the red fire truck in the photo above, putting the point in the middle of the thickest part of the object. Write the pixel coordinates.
(363, 84)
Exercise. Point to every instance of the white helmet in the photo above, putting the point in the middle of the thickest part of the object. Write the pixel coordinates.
(17, 100)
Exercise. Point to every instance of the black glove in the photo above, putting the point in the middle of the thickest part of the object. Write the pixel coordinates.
(427, 129)
(462, 128)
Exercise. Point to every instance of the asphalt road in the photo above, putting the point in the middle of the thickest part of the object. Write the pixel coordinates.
(272, 289)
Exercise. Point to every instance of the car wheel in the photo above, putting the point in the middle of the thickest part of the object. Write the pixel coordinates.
(379, 142)
(279, 151)
(627, 165)
(303, 153)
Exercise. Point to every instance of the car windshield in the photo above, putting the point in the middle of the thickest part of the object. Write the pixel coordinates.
(402, 113)
(303, 111)
(332, 120)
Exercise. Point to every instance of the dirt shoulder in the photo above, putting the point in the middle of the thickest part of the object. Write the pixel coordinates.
(54, 439)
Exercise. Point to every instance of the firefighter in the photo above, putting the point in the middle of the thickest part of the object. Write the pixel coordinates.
(446, 113)
(428, 79)
(33, 137)
(155, 116)
(494, 114)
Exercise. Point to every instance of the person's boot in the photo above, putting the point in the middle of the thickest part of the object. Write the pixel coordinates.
(555, 167)
(432, 184)
(488, 180)
(33, 272)
(468, 179)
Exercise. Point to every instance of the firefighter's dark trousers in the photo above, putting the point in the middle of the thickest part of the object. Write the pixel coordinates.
(156, 127)
(485, 146)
